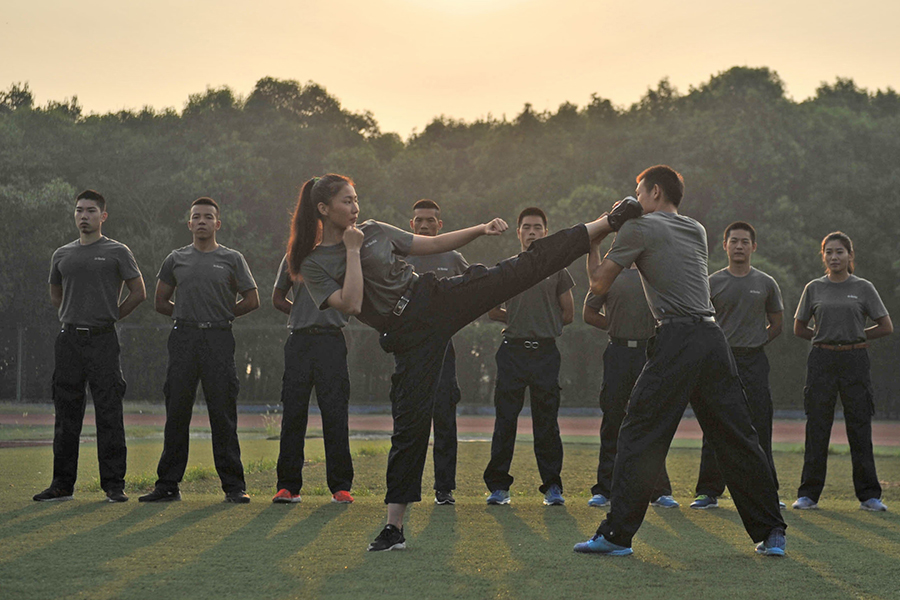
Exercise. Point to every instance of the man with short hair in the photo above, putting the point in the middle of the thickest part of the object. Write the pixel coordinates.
(688, 361)
(749, 309)
(528, 358)
(622, 312)
(86, 278)
(208, 278)
(427, 221)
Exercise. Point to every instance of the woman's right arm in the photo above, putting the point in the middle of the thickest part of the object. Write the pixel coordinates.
(348, 299)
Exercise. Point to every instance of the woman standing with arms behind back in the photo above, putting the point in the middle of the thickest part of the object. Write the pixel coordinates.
(839, 303)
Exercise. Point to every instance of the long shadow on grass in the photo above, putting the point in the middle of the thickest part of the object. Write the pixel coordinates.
(246, 563)
(48, 513)
(77, 562)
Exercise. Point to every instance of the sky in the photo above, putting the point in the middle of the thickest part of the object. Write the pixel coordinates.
(409, 61)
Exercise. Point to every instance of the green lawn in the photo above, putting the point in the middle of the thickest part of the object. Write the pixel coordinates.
(202, 548)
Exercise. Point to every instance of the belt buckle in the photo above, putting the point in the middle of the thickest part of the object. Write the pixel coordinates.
(531, 345)
(83, 330)
(401, 306)
(204, 325)
(632, 344)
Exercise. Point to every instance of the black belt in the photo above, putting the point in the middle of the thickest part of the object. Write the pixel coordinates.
(88, 331)
(686, 320)
(406, 297)
(842, 346)
(202, 324)
(746, 351)
(530, 344)
(317, 330)
(628, 343)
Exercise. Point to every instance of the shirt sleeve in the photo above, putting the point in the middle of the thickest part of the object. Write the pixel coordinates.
(283, 280)
(55, 275)
(564, 282)
(804, 307)
(875, 308)
(319, 283)
(594, 302)
(400, 240)
(628, 245)
(774, 302)
(242, 275)
(128, 268)
(461, 264)
(167, 271)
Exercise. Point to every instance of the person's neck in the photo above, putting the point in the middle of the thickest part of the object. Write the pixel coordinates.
(839, 277)
(207, 245)
(331, 235)
(86, 239)
(739, 269)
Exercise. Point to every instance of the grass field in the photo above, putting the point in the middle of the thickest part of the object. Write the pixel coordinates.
(202, 548)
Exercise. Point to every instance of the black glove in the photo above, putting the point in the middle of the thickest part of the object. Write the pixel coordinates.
(626, 209)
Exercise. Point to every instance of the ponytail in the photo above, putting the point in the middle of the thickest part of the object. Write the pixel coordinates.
(306, 222)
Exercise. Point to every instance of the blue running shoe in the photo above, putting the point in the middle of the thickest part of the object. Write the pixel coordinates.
(774, 544)
(554, 496)
(805, 503)
(703, 502)
(873, 504)
(600, 545)
(665, 502)
(498, 497)
(598, 500)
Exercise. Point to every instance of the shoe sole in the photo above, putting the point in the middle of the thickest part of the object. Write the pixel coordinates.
(498, 502)
(866, 508)
(711, 506)
(665, 505)
(622, 552)
(111, 501)
(771, 552)
(341, 501)
(236, 501)
(444, 502)
(286, 500)
(166, 499)
(598, 505)
(814, 507)
(554, 503)
(399, 546)
(59, 499)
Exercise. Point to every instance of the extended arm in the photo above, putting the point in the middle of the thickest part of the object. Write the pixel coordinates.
(137, 293)
(248, 303)
(280, 300)
(424, 244)
(601, 273)
(775, 326)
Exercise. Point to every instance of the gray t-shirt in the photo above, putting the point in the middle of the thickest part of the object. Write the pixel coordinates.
(742, 304)
(445, 264)
(535, 313)
(91, 278)
(304, 311)
(670, 253)
(625, 307)
(839, 310)
(207, 283)
(385, 276)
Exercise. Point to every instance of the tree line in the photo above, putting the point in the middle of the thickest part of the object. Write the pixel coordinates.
(795, 170)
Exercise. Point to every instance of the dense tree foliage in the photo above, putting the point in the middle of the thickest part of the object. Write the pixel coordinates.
(796, 170)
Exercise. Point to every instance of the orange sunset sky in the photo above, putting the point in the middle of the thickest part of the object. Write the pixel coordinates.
(409, 61)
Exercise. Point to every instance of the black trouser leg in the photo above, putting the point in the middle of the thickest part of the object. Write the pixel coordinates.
(296, 387)
(180, 389)
(509, 397)
(333, 397)
(69, 379)
(444, 423)
(413, 385)
(544, 396)
(621, 368)
(220, 383)
(104, 375)
(689, 362)
(858, 403)
(819, 399)
(754, 372)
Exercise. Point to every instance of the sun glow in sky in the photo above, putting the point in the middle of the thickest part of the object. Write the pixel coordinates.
(409, 61)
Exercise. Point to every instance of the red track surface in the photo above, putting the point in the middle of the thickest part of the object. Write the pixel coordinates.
(884, 433)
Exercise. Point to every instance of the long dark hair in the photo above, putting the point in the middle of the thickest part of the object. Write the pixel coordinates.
(306, 223)
(845, 241)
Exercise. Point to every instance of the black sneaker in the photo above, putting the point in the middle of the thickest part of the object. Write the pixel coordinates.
(390, 538)
(161, 495)
(444, 497)
(52, 494)
(237, 497)
(116, 496)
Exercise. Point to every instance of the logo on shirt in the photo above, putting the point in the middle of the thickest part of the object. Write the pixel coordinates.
(367, 244)
(852, 296)
(99, 258)
(755, 292)
(219, 267)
